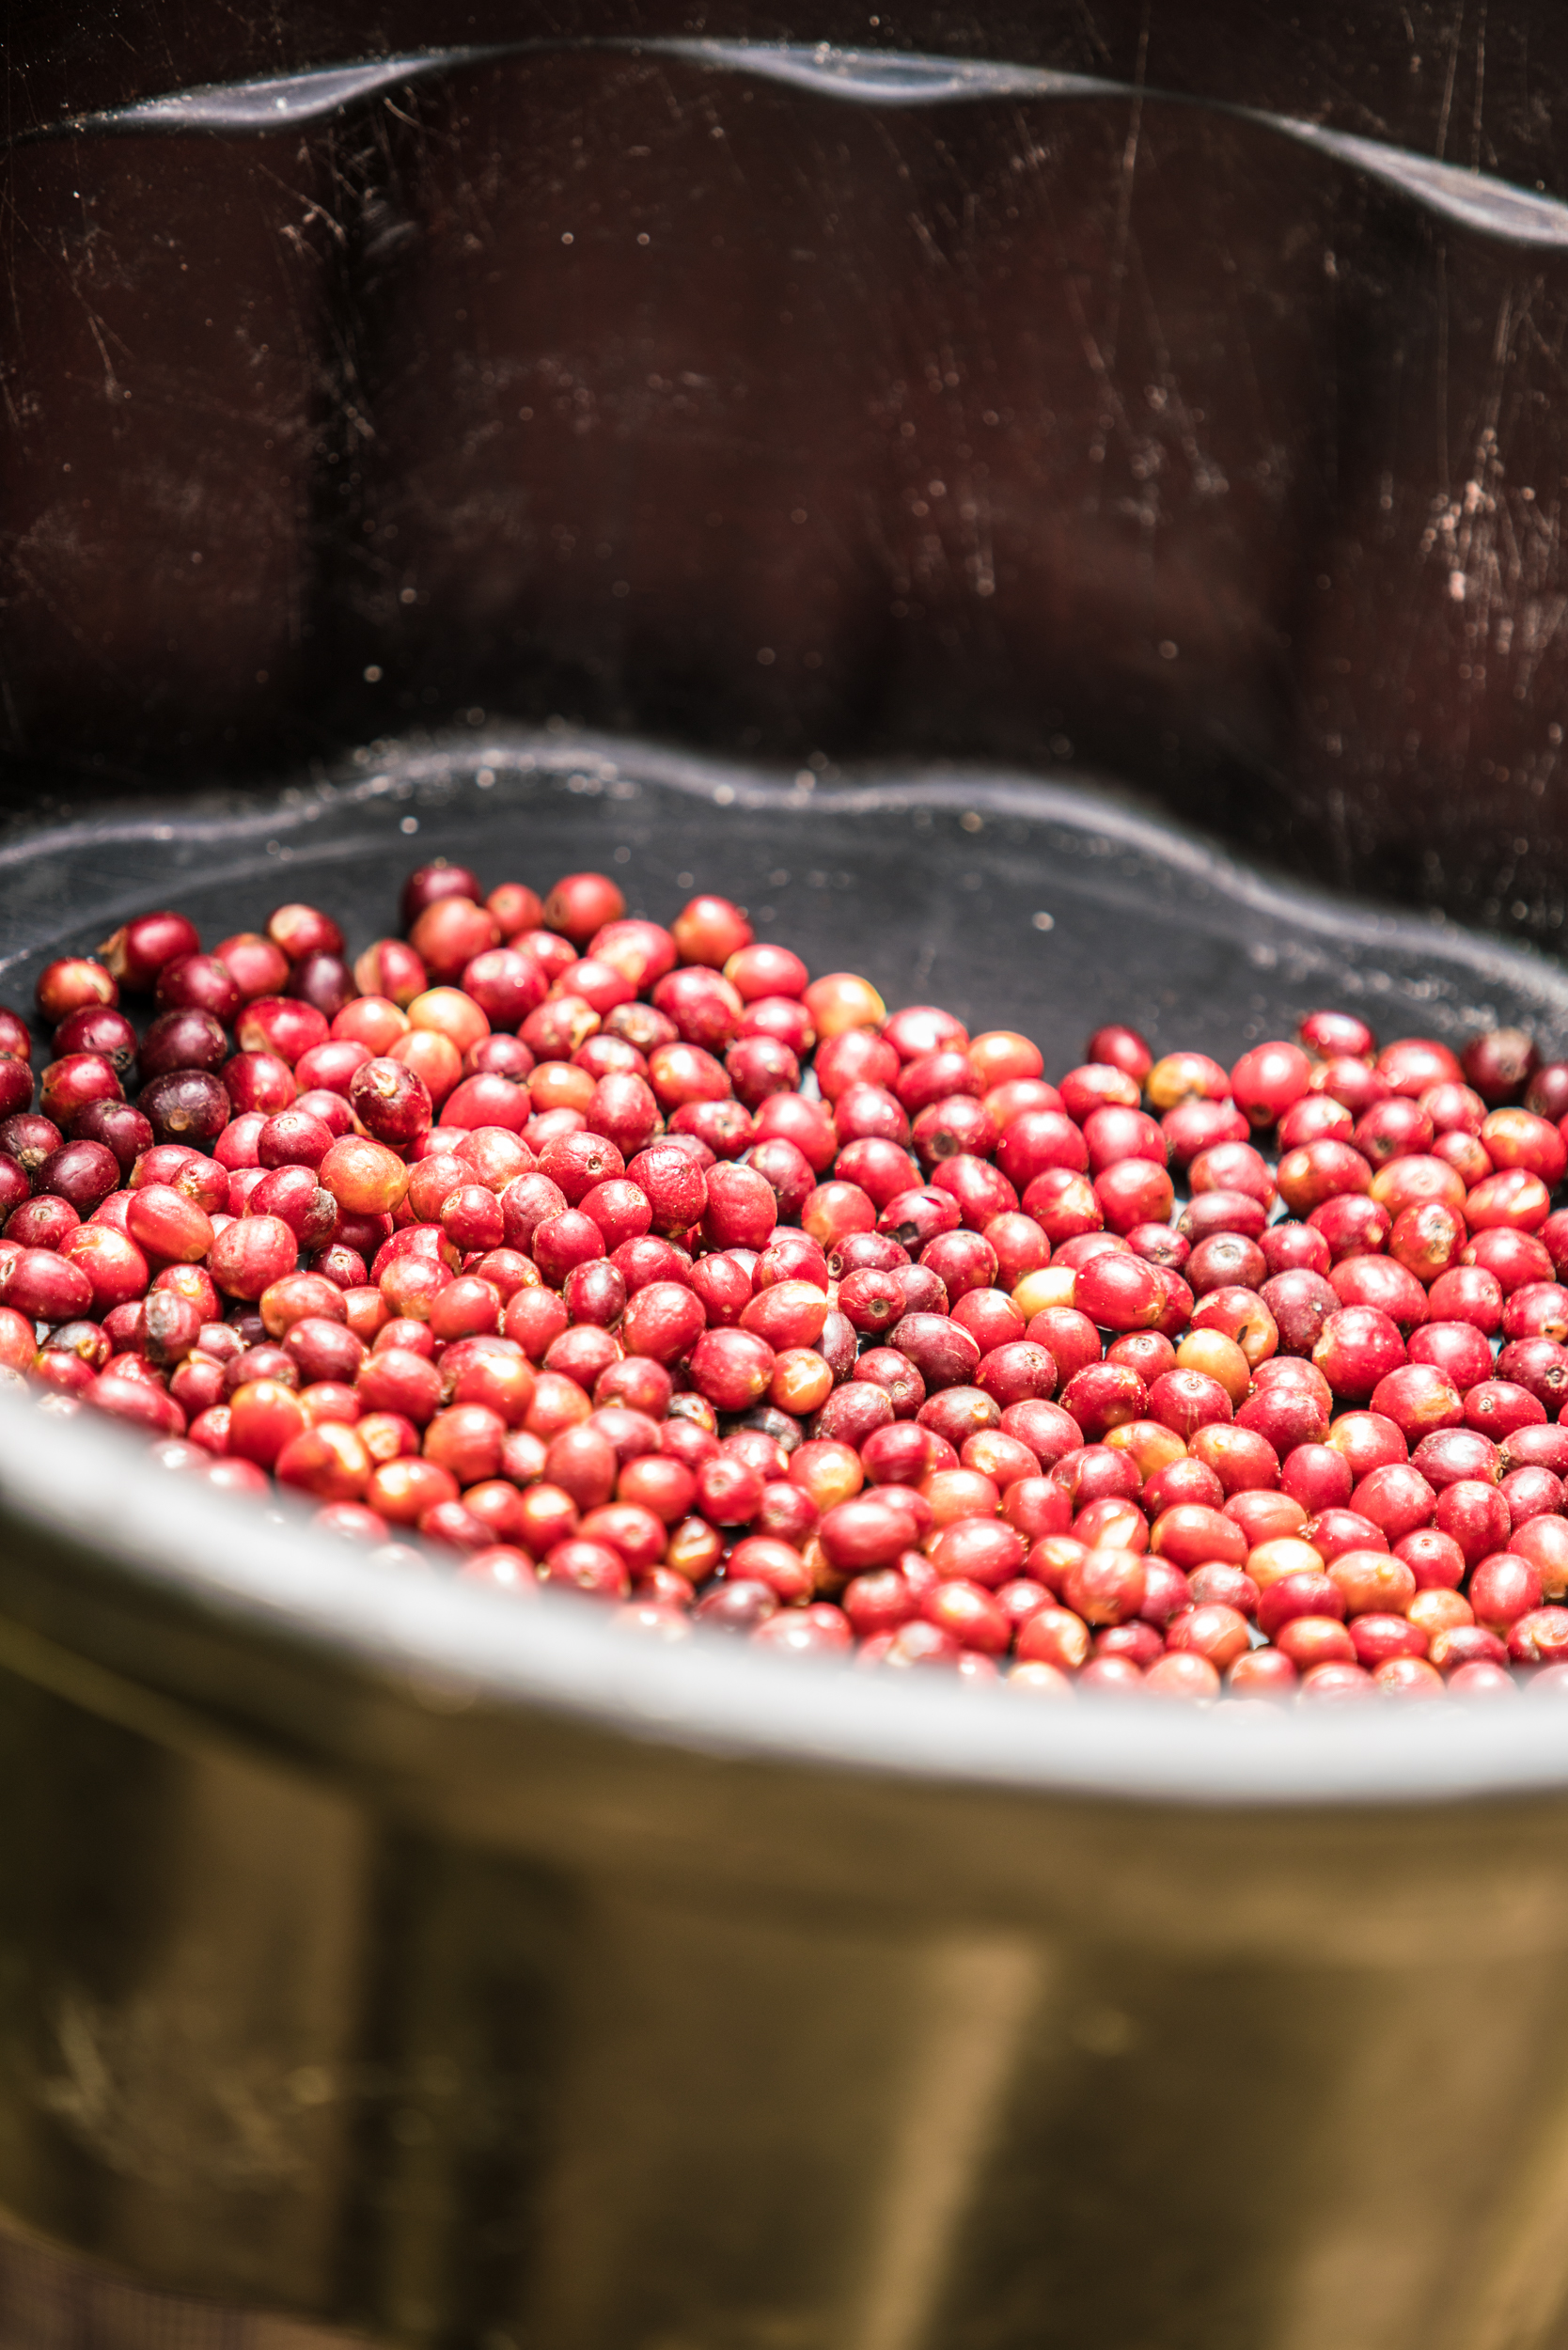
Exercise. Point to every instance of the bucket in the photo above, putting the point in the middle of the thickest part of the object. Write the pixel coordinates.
(382, 1955)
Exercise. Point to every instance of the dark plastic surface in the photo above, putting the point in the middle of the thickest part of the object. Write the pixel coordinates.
(1170, 389)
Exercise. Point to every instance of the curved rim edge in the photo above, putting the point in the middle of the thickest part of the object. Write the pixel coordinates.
(229, 1563)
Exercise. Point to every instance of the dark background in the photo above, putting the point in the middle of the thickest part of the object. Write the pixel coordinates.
(1103, 432)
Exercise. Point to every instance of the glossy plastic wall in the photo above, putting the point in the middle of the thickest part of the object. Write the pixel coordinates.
(797, 419)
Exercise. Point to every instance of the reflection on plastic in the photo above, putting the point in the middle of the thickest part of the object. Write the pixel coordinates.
(1471, 199)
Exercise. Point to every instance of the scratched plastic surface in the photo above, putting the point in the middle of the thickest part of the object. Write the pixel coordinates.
(1173, 391)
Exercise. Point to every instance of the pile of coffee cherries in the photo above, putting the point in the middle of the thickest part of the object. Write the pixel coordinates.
(564, 1247)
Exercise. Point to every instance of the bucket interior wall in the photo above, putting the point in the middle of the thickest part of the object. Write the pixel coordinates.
(1171, 394)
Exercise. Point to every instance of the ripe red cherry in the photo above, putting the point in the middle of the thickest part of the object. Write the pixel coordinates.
(82, 1172)
(1037, 1140)
(44, 1223)
(75, 984)
(577, 1162)
(453, 933)
(427, 884)
(15, 1187)
(1476, 1515)
(43, 1287)
(758, 1066)
(936, 1076)
(880, 1169)
(759, 973)
(70, 1086)
(732, 1369)
(293, 1138)
(1502, 1589)
(505, 984)
(16, 1085)
(1349, 1082)
(621, 1210)
(1454, 1109)
(1268, 1079)
(740, 1208)
(29, 1138)
(1393, 1128)
(139, 949)
(1225, 1262)
(324, 981)
(1232, 1167)
(1499, 1063)
(1119, 1290)
(188, 1105)
(198, 983)
(257, 965)
(181, 1040)
(99, 1029)
(301, 930)
(921, 1028)
(1356, 1347)
(391, 1101)
(857, 1057)
(1121, 1048)
(1547, 1092)
(709, 930)
(1515, 1139)
(281, 1025)
(1132, 1192)
(1332, 1034)
(1195, 1125)
(581, 903)
(1064, 1205)
(1413, 1064)
(1317, 1113)
(664, 1320)
(779, 1017)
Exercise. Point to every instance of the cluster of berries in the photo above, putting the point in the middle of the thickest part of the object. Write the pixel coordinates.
(579, 1250)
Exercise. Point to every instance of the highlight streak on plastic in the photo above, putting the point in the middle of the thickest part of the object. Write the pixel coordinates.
(1474, 200)
(977, 1997)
